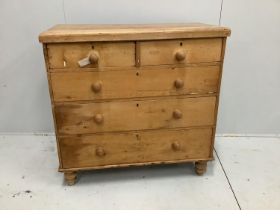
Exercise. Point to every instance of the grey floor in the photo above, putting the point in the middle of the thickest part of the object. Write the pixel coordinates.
(245, 175)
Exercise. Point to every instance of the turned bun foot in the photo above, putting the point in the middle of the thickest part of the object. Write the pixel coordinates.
(70, 177)
(200, 167)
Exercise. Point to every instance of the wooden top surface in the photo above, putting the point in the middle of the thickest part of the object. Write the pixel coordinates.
(84, 33)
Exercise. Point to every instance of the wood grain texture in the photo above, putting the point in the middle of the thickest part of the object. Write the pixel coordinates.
(84, 33)
(78, 118)
(135, 147)
(143, 94)
(219, 87)
(121, 165)
(73, 86)
(45, 52)
(111, 54)
(195, 50)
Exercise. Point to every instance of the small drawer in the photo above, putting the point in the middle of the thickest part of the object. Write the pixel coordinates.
(72, 86)
(79, 118)
(91, 55)
(180, 52)
(135, 147)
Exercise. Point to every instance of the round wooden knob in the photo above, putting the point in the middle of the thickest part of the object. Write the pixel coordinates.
(177, 114)
(98, 118)
(96, 87)
(180, 55)
(178, 83)
(93, 57)
(100, 152)
(175, 146)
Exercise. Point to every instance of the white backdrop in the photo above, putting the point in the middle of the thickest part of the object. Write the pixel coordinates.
(250, 98)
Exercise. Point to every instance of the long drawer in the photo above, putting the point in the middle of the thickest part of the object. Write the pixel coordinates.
(134, 147)
(72, 86)
(79, 118)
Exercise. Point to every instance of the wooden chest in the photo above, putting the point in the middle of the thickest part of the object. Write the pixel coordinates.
(126, 95)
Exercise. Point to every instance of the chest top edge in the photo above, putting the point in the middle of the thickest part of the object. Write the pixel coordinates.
(124, 32)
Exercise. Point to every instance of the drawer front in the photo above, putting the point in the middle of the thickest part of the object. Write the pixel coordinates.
(134, 115)
(186, 51)
(64, 56)
(73, 86)
(135, 147)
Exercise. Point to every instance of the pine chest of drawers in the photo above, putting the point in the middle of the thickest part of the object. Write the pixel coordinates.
(126, 95)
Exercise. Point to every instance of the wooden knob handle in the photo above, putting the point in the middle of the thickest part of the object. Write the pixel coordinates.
(180, 55)
(175, 146)
(98, 118)
(93, 57)
(177, 114)
(178, 83)
(100, 152)
(96, 87)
